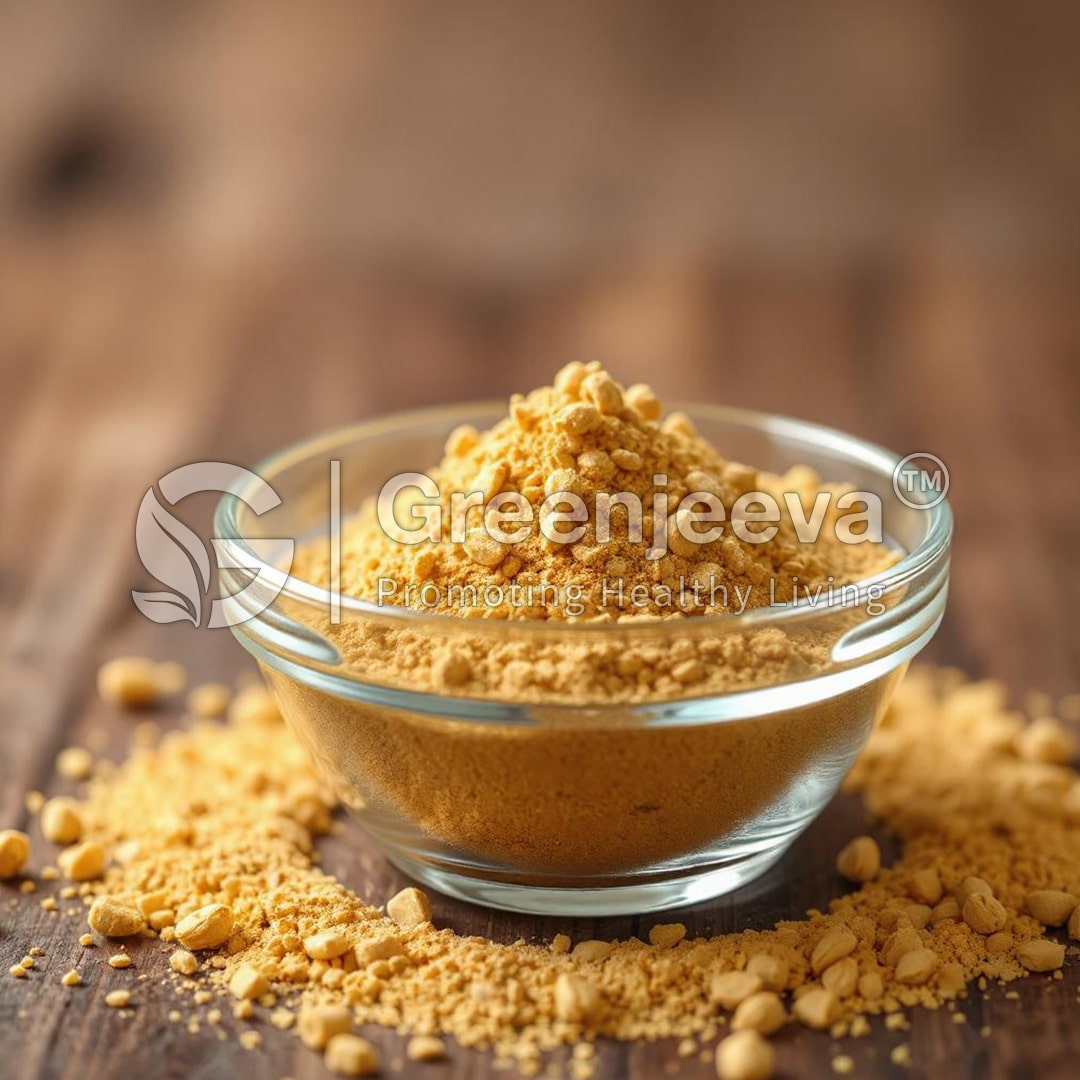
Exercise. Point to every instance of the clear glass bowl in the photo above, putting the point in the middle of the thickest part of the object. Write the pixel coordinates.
(580, 807)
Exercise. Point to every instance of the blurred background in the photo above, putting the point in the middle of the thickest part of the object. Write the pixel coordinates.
(223, 227)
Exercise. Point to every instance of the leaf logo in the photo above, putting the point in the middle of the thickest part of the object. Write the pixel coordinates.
(176, 557)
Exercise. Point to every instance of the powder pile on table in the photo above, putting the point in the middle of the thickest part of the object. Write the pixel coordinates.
(215, 827)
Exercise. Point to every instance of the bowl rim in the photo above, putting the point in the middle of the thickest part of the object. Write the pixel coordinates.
(931, 549)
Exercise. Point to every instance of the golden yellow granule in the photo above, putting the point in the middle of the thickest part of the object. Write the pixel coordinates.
(14, 852)
(75, 763)
(132, 682)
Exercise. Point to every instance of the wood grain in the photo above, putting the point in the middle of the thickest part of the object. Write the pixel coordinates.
(219, 234)
(139, 370)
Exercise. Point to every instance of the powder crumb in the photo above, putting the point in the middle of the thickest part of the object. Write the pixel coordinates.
(326, 945)
(843, 1064)
(744, 1056)
(282, 1019)
(118, 999)
(130, 682)
(86, 940)
(860, 860)
(1041, 955)
(901, 1056)
(318, 1024)
(61, 822)
(860, 1027)
(183, 962)
(425, 1048)
(75, 763)
(83, 862)
(211, 700)
(72, 978)
(120, 960)
(818, 1008)
(409, 908)
(112, 918)
(206, 928)
(350, 1055)
(248, 982)
(687, 1048)
(666, 935)
(577, 1000)
(250, 1040)
(592, 951)
(14, 852)
(730, 988)
(763, 1011)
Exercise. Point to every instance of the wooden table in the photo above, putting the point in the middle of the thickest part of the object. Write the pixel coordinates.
(115, 369)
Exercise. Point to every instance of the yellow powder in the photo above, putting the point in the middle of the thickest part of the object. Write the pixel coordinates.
(533, 453)
(572, 797)
(532, 797)
(601, 578)
(941, 772)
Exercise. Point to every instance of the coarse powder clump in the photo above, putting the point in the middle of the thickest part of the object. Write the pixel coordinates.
(587, 438)
(222, 817)
(585, 435)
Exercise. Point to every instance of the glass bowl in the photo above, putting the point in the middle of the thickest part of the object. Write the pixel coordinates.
(578, 804)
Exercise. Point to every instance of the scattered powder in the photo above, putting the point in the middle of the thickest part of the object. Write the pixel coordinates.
(207, 839)
(223, 815)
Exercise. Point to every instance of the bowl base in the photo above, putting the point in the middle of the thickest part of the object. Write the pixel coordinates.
(654, 892)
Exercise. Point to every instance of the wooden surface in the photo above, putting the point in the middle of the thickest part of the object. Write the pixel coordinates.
(111, 380)
(219, 234)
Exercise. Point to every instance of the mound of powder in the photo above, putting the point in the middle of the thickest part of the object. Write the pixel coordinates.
(586, 437)
(215, 827)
